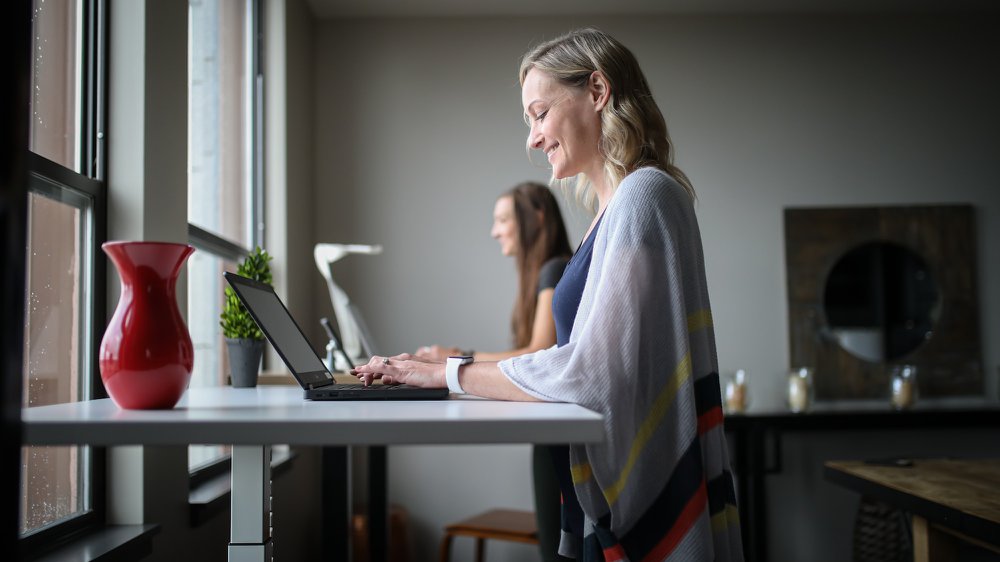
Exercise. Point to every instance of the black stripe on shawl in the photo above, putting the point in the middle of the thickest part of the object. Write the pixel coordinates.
(571, 519)
(707, 394)
(720, 492)
(662, 515)
(593, 547)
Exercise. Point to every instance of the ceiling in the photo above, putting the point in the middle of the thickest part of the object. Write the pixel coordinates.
(479, 8)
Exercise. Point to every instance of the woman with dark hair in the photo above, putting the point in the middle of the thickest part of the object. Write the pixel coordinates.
(529, 227)
(634, 329)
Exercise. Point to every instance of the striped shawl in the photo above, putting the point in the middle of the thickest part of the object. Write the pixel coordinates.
(642, 354)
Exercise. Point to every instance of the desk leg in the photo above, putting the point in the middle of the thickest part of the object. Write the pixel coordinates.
(337, 504)
(250, 532)
(378, 502)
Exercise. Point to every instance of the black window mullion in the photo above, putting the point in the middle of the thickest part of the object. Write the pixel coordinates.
(94, 79)
(90, 184)
(258, 123)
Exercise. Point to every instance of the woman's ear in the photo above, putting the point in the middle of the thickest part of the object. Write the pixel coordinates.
(599, 90)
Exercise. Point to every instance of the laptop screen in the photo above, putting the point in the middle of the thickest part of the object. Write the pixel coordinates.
(279, 327)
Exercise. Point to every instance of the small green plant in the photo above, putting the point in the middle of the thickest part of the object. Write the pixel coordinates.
(236, 321)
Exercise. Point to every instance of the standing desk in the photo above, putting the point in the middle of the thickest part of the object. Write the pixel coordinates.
(253, 419)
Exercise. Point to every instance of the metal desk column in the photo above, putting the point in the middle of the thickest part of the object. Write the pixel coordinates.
(250, 501)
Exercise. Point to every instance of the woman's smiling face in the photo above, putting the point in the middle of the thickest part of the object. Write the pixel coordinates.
(565, 124)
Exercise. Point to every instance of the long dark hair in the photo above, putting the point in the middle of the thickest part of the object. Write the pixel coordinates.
(541, 236)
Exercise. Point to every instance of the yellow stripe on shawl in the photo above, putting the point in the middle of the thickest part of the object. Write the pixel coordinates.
(582, 472)
(656, 413)
(700, 320)
(723, 519)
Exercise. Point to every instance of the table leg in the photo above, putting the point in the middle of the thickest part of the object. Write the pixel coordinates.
(931, 544)
(742, 469)
(337, 504)
(378, 502)
(250, 531)
(756, 497)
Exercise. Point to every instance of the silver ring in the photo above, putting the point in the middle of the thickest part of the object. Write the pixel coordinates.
(385, 360)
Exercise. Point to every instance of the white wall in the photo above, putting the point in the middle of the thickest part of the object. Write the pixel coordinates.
(418, 128)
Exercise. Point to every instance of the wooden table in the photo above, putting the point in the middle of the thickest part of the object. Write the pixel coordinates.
(757, 440)
(950, 500)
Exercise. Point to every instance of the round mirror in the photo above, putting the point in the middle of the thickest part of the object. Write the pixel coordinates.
(880, 301)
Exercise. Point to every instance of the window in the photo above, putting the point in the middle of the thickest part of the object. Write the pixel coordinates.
(224, 218)
(64, 296)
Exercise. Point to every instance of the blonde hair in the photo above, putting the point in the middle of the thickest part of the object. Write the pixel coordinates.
(633, 131)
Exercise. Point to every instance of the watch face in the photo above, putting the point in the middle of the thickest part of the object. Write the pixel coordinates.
(463, 358)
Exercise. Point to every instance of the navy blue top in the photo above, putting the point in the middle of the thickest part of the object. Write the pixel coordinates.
(551, 272)
(565, 302)
(569, 291)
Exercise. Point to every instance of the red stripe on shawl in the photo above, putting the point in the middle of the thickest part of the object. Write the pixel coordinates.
(614, 554)
(690, 513)
(709, 419)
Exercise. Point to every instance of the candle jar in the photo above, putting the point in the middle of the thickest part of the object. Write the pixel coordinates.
(735, 393)
(904, 386)
(799, 389)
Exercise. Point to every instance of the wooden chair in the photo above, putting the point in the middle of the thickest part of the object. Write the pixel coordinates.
(399, 540)
(500, 524)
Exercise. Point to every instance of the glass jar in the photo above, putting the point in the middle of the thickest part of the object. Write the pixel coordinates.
(800, 389)
(904, 386)
(735, 393)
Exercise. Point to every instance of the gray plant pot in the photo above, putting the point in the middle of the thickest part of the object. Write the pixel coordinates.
(244, 361)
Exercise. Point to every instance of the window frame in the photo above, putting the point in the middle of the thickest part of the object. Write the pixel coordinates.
(219, 246)
(90, 183)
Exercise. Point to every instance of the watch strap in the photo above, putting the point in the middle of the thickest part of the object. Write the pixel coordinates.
(451, 373)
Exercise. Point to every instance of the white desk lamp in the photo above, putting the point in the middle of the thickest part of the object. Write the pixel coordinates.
(357, 341)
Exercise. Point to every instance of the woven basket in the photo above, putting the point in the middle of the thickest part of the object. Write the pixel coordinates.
(881, 533)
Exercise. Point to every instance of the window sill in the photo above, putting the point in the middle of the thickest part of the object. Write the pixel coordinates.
(212, 496)
(111, 543)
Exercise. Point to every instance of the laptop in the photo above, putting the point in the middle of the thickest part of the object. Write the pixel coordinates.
(312, 375)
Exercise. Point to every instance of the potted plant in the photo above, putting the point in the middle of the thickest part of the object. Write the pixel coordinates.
(243, 338)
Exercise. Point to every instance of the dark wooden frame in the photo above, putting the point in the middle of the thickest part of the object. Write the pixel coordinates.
(949, 363)
(15, 38)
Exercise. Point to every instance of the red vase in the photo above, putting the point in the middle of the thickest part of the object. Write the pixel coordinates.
(146, 354)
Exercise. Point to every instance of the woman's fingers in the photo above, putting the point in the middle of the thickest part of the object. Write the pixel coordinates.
(379, 367)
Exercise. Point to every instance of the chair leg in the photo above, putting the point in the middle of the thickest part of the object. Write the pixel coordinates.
(446, 547)
(480, 549)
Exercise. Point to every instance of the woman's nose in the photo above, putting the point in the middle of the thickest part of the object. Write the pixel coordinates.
(534, 139)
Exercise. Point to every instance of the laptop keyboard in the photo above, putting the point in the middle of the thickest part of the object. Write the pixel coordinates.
(356, 386)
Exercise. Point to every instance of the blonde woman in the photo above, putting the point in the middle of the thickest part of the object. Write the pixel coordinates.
(635, 340)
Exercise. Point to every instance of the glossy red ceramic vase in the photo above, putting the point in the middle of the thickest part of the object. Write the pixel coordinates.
(146, 354)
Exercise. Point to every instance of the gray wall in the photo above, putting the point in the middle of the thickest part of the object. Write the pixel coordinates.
(418, 128)
(147, 139)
